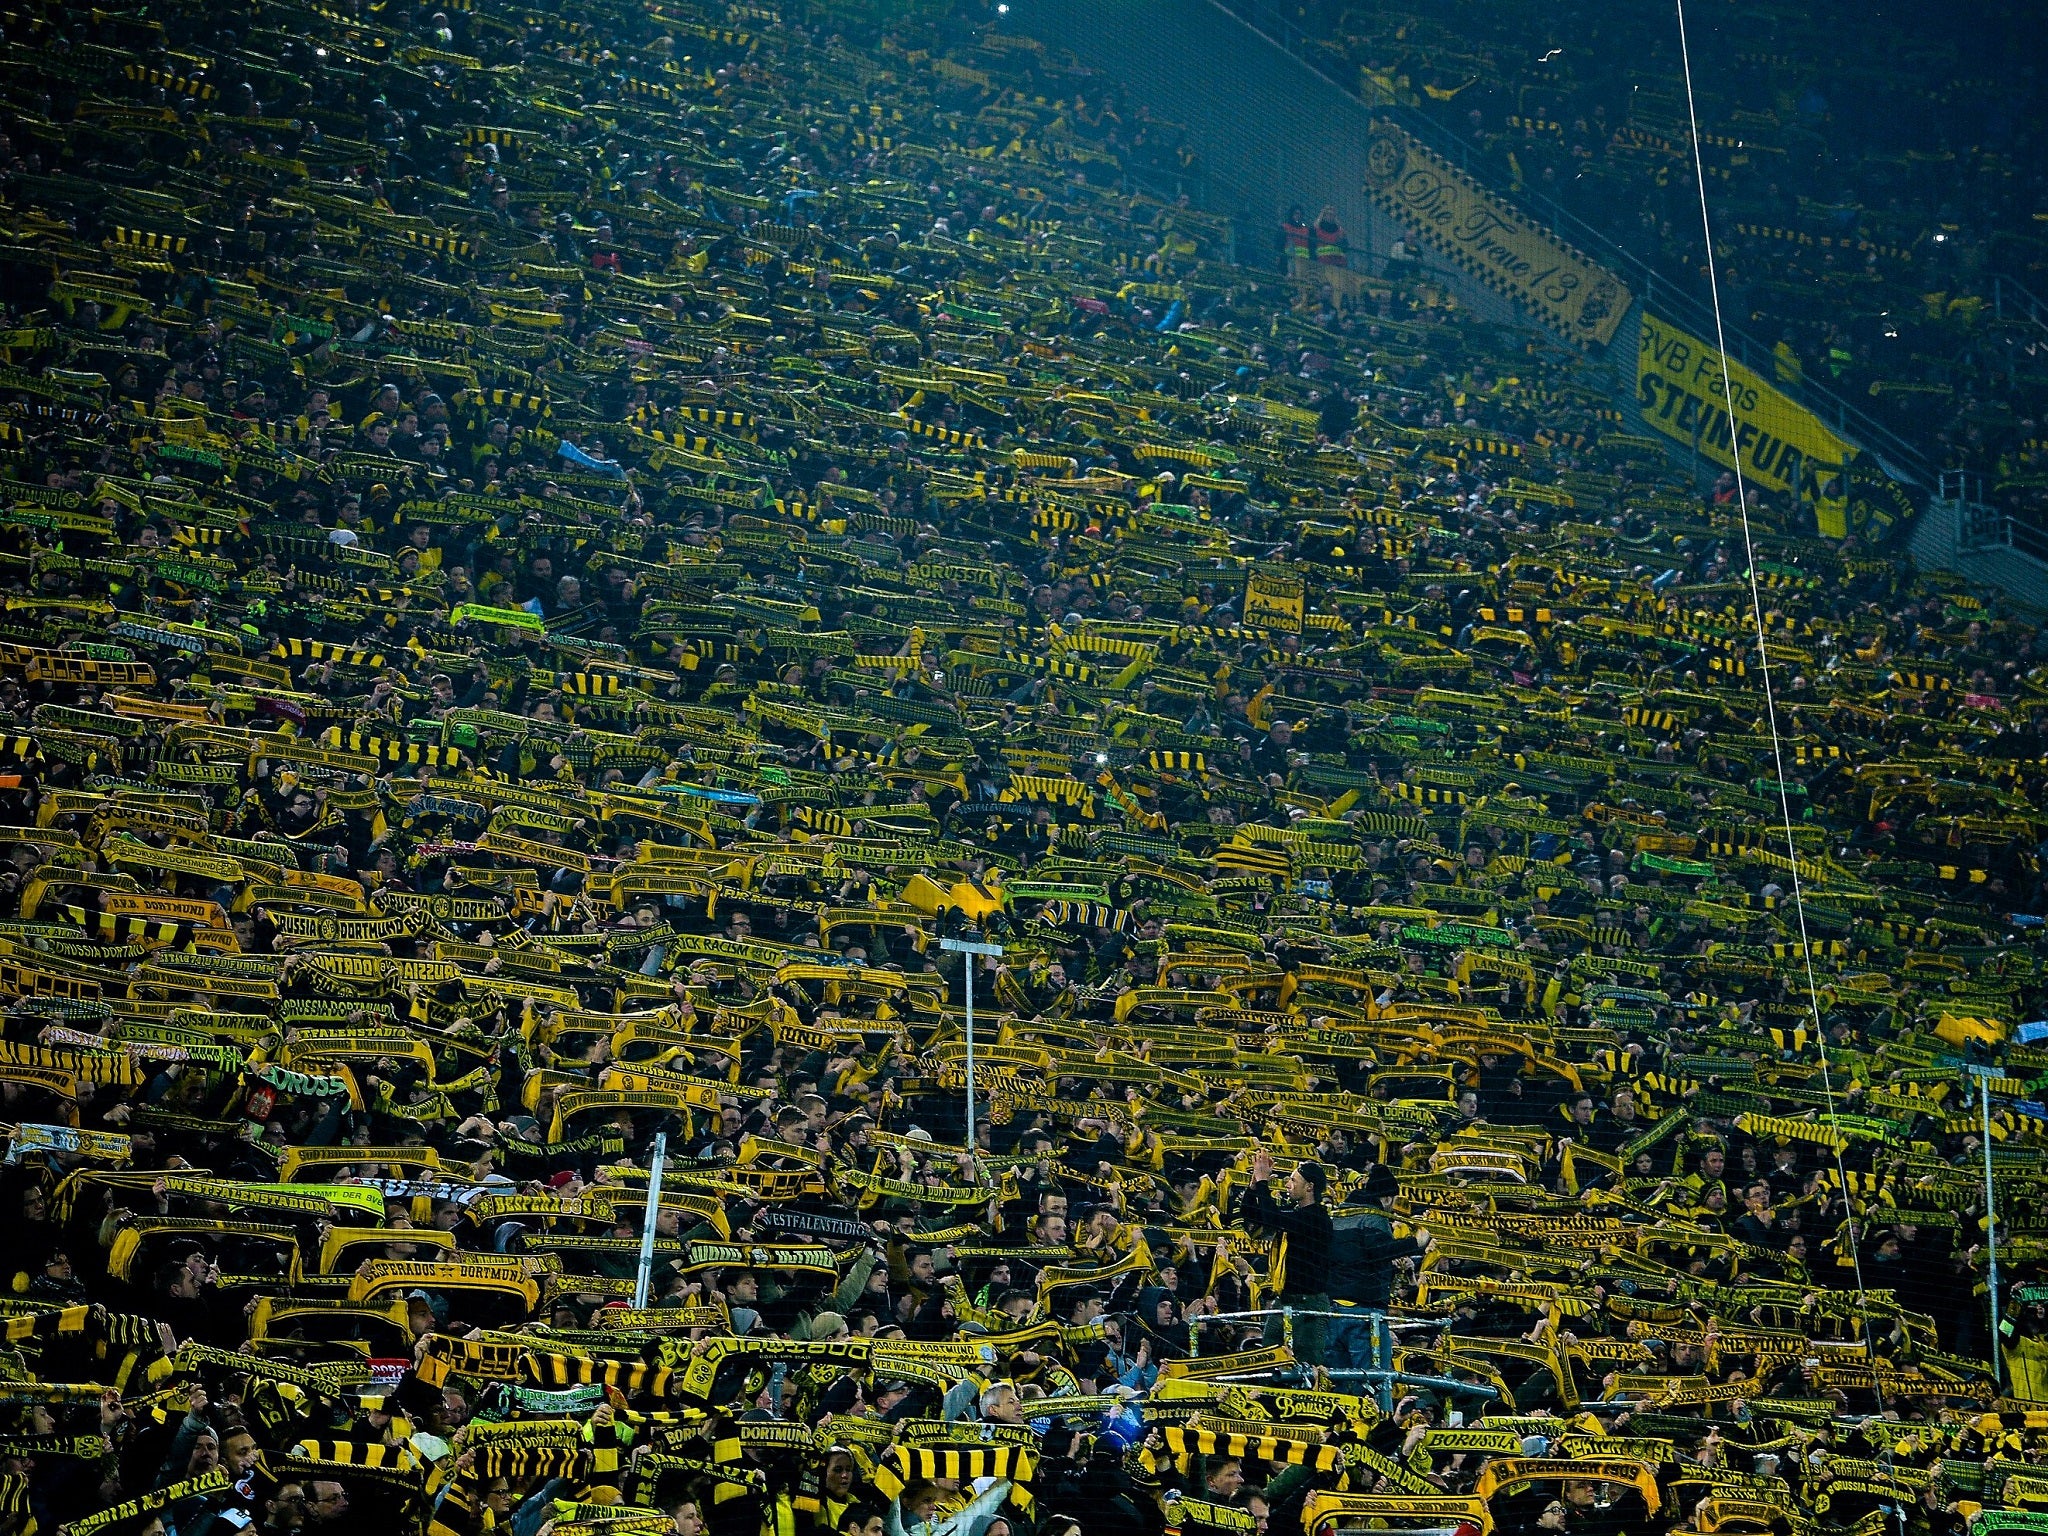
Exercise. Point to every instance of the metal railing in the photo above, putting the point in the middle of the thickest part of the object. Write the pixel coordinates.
(2010, 300)
(1680, 301)
(1380, 1376)
(1982, 527)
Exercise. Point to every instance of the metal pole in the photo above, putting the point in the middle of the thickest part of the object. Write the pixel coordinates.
(1383, 1361)
(970, 1056)
(1983, 1076)
(971, 950)
(647, 1222)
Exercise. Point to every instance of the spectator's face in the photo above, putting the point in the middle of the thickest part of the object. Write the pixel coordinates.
(239, 1454)
(838, 1476)
(1226, 1480)
(285, 1510)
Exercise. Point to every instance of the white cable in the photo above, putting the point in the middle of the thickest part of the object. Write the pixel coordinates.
(1852, 1223)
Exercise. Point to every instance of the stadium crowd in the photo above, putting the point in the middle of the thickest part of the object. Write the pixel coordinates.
(555, 556)
(1873, 175)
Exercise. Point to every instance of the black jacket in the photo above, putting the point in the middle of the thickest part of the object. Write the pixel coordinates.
(1363, 1249)
(1307, 1229)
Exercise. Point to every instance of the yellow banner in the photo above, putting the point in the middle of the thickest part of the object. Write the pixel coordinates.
(1784, 446)
(1274, 601)
(1507, 251)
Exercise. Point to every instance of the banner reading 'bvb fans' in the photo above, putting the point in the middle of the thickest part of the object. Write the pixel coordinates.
(1508, 252)
(1784, 446)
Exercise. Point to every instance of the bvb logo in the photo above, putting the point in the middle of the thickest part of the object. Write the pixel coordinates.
(1598, 304)
(1384, 158)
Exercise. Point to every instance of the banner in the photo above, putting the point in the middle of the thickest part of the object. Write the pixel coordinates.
(1273, 601)
(1507, 251)
(1785, 447)
(68, 1141)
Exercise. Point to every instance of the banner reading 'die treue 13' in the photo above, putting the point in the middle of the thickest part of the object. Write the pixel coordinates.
(1492, 241)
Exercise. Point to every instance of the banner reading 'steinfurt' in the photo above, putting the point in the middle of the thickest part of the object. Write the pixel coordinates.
(1784, 446)
(1508, 252)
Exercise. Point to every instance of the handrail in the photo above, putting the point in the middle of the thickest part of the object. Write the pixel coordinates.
(2011, 293)
(1387, 1319)
(1649, 282)
(1982, 526)
(1383, 1377)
